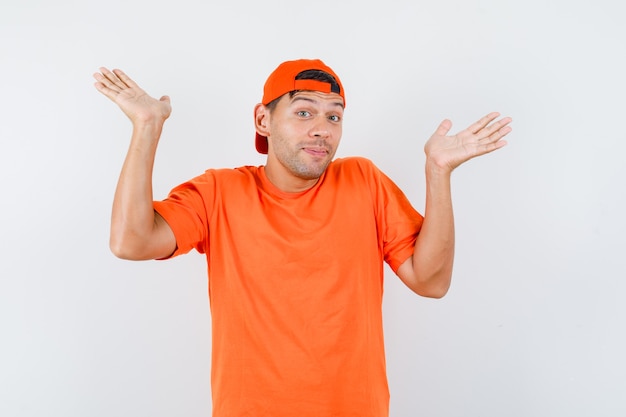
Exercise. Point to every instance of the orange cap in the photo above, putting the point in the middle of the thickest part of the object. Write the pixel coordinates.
(283, 80)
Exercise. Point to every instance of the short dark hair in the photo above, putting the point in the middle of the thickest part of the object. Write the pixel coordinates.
(313, 74)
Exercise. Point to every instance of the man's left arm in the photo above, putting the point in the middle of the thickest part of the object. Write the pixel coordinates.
(428, 271)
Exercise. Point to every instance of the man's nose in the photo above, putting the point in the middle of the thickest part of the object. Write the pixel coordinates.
(320, 128)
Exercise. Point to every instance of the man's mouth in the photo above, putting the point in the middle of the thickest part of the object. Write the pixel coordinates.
(315, 151)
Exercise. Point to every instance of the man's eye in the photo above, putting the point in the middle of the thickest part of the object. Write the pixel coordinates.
(335, 118)
(303, 113)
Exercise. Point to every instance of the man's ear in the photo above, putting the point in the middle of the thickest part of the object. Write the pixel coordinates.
(261, 119)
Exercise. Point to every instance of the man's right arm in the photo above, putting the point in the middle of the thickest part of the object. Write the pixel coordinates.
(137, 231)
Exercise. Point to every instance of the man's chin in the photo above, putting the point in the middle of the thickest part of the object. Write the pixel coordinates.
(312, 172)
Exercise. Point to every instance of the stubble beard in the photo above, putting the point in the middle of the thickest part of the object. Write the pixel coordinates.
(302, 170)
(295, 162)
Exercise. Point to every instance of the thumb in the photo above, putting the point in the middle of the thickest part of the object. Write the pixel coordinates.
(444, 128)
(165, 98)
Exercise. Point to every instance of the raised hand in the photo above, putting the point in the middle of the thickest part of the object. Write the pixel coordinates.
(134, 102)
(484, 136)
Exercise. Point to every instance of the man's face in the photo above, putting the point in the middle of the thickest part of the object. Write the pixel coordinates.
(304, 134)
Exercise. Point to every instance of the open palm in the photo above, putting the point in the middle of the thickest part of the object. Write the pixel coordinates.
(134, 102)
(478, 139)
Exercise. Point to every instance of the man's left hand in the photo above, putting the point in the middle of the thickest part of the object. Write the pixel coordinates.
(484, 136)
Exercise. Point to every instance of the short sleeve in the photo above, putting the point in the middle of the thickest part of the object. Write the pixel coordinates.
(399, 222)
(186, 210)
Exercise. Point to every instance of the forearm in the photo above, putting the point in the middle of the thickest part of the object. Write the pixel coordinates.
(429, 271)
(133, 217)
(433, 255)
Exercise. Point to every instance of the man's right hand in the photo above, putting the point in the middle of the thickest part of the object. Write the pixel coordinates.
(134, 102)
(137, 232)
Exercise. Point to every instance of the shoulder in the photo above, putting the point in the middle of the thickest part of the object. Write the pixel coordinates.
(239, 172)
(355, 167)
(216, 180)
(228, 175)
(359, 170)
(353, 173)
(354, 163)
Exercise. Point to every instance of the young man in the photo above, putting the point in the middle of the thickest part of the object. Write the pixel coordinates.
(295, 248)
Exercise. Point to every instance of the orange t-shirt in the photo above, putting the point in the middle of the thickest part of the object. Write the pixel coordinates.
(296, 285)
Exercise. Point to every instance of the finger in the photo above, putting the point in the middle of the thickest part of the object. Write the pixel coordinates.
(108, 92)
(125, 78)
(500, 126)
(109, 80)
(105, 86)
(494, 146)
(484, 121)
(496, 142)
(444, 128)
(491, 147)
(499, 134)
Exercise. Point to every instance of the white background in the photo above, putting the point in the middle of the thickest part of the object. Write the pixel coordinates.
(534, 324)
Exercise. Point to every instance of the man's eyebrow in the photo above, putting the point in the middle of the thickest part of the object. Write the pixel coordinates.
(296, 98)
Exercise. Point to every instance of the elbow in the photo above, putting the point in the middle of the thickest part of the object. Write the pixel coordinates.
(119, 249)
(134, 246)
(124, 249)
(430, 282)
(435, 287)
(436, 293)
